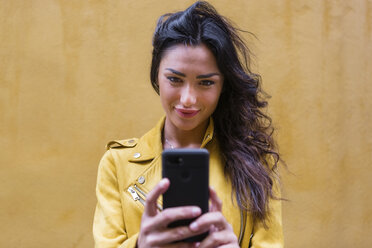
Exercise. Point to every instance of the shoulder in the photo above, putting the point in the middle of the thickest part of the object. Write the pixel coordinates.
(142, 149)
(118, 150)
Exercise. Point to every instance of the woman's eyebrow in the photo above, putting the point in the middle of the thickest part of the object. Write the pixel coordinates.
(176, 72)
(208, 75)
(199, 76)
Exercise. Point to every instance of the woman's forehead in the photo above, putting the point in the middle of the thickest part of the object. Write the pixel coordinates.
(181, 54)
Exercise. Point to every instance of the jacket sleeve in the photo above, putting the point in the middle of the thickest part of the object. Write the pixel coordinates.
(108, 225)
(272, 235)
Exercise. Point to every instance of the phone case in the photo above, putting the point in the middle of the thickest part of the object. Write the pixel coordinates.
(188, 172)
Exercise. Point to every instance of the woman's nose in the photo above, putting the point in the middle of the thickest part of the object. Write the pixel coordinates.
(188, 96)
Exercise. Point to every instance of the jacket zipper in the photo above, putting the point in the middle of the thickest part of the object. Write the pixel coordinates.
(135, 195)
(140, 195)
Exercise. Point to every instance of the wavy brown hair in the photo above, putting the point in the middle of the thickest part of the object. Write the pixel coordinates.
(242, 128)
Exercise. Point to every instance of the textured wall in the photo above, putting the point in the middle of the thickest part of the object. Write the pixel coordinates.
(74, 74)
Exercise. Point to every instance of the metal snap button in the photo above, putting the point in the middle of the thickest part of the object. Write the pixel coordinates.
(141, 179)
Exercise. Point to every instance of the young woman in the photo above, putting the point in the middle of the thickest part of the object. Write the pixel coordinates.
(211, 100)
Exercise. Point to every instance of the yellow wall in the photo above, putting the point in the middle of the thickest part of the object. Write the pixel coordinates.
(75, 74)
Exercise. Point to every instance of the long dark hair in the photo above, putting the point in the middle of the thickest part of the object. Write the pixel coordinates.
(243, 130)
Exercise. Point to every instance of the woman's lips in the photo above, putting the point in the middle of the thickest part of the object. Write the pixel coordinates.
(187, 113)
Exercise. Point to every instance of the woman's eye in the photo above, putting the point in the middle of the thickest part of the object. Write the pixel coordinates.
(207, 83)
(174, 79)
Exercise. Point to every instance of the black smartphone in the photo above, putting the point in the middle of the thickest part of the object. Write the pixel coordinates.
(188, 173)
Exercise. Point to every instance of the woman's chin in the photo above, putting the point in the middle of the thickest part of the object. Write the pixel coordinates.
(184, 124)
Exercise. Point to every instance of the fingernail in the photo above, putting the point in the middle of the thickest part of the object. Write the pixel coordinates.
(196, 211)
(163, 182)
(194, 226)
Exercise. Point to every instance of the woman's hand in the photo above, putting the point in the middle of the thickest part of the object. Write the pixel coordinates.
(221, 233)
(154, 231)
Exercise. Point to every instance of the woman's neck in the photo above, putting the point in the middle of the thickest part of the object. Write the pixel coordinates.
(176, 138)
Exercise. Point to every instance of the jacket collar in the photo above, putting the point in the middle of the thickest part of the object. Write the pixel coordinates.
(208, 136)
(150, 146)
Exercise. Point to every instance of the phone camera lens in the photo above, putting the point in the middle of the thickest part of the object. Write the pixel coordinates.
(180, 161)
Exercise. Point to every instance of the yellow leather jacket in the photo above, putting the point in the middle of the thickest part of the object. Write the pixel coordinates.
(131, 168)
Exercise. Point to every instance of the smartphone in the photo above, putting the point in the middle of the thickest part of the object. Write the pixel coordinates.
(188, 173)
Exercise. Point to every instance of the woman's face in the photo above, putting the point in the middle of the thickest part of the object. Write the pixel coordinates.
(190, 85)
